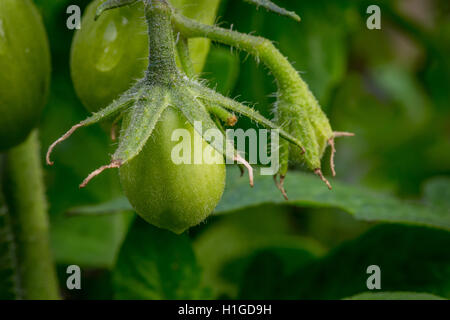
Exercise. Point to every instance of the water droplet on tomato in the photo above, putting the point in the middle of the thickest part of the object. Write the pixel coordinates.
(111, 50)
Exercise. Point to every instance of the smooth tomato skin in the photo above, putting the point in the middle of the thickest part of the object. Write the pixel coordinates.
(24, 70)
(108, 54)
(170, 196)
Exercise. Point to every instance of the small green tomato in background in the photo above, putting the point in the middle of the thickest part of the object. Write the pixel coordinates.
(167, 195)
(108, 54)
(24, 70)
(111, 53)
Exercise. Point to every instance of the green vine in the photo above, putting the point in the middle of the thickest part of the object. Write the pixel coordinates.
(25, 196)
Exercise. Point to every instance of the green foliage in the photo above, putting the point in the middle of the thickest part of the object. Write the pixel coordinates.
(226, 247)
(394, 296)
(156, 264)
(306, 191)
(394, 97)
(410, 259)
(437, 194)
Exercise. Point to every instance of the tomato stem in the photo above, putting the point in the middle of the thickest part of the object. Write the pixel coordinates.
(185, 57)
(26, 201)
(162, 67)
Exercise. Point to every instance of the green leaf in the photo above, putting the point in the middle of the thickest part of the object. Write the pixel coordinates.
(105, 208)
(437, 193)
(259, 280)
(226, 247)
(89, 241)
(410, 259)
(307, 191)
(269, 5)
(156, 264)
(394, 296)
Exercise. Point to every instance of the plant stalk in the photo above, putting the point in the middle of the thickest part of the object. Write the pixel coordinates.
(162, 67)
(25, 196)
(261, 48)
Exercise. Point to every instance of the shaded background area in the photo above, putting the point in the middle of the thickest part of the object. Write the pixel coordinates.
(389, 86)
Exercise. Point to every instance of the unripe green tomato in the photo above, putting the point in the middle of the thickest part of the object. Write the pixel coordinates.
(167, 195)
(24, 70)
(109, 54)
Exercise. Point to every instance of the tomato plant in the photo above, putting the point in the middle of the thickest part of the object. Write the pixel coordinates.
(165, 86)
(182, 229)
(25, 70)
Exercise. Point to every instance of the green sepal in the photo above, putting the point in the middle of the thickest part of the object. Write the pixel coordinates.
(139, 123)
(195, 111)
(110, 111)
(269, 5)
(112, 4)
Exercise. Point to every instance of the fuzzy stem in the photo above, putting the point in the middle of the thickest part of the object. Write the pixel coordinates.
(25, 194)
(263, 49)
(162, 68)
(185, 57)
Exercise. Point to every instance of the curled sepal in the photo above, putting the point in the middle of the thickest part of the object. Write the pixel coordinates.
(242, 166)
(269, 5)
(113, 164)
(139, 123)
(333, 148)
(280, 185)
(110, 111)
(112, 4)
(242, 162)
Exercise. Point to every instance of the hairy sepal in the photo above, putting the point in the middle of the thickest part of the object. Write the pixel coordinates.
(269, 5)
(139, 123)
(112, 4)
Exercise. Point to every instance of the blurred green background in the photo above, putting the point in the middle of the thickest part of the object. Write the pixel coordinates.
(390, 87)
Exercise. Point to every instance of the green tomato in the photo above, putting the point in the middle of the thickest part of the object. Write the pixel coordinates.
(24, 70)
(167, 195)
(109, 54)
